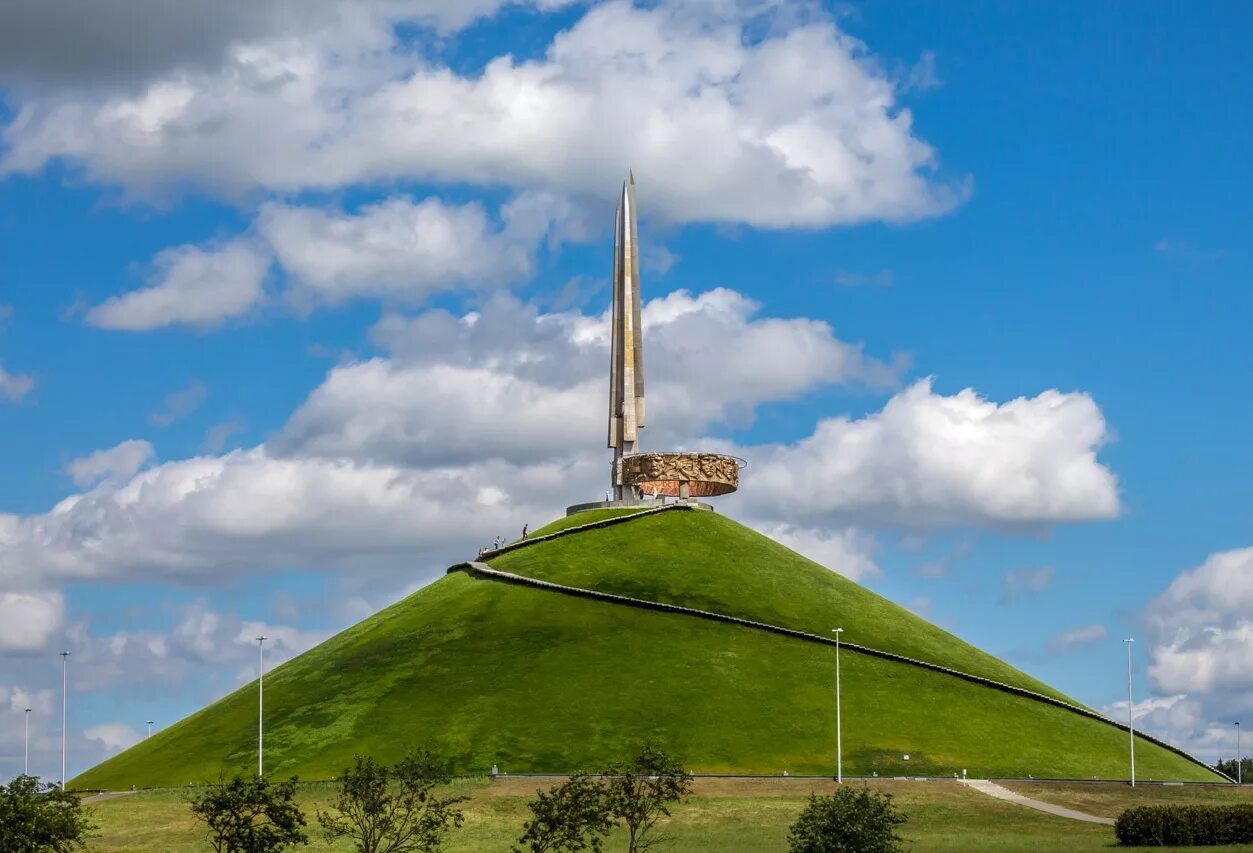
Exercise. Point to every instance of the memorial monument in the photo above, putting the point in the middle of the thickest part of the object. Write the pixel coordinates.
(635, 476)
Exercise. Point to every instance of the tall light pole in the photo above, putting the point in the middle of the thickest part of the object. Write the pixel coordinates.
(1131, 718)
(260, 703)
(26, 760)
(65, 668)
(839, 746)
(150, 728)
(1239, 769)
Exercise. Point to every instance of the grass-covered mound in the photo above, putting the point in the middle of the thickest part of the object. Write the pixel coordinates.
(489, 673)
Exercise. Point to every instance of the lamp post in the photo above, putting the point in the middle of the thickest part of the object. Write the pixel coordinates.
(1131, 719)
(260, 704)
(150, 728)
(65, 668)
(839, 746)
(1239, 769)
(26, 760)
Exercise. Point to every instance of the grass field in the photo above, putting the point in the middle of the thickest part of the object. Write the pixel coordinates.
(586, 517)
(707, 561)
(535, 681)
(1111, 800)
(728, 816)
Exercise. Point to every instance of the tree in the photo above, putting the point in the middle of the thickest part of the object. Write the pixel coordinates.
(852, 820)
(568, 818)
(39, 818)
(393, 810)
(1229, 767)
(250, 815)
(639, 793)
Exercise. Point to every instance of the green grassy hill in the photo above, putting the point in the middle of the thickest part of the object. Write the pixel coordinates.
(536, 680)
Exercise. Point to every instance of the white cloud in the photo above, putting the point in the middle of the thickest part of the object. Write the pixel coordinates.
(114, 737)
(849, 552)
(1025, 580)
(401, 249)
(17, 699)
(14, 386)
(85, 43)
(1078, 637)
(800, 127)
(474, 425)
(1199, 641)
(28, 620)
(214, 517)
(191, 286)
(1202, 629)
(509, 382)
(116, 463)
(928, 460)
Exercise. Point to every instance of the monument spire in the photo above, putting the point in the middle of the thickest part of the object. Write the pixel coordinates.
(626, 372)
(685, 475)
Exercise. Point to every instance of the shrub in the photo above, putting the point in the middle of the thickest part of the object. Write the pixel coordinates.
(640, 792)
(250, 815)
(568, 818)
(41, 818)
(852, 820)
(393, 809)
(1184, 826)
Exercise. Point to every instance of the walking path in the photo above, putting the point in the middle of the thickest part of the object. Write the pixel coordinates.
(107, 795)
(483, 570)
(994, 790)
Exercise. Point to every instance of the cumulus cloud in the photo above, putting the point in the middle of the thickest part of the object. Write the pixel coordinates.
(82, 42)
(114, 737)
(1202, 628)
(513, 383)
(14, 386)
(402, 249)
(201, 637)
(1074, 638)
(246, 511)
(1199, 634)
(115, 463)
(29, 620)
(17, 699)
(849, 552)
(929, 460)
(801, 127)
(473, 425)
(191, 286)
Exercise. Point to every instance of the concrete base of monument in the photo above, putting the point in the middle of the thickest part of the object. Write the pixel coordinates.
(635, 503)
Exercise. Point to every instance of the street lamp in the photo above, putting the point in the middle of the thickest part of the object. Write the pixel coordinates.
(260, 702)
(65, 666)
(150, 728)
(26, 760)
(1239, 769)
(839, 746)
(1131, 719)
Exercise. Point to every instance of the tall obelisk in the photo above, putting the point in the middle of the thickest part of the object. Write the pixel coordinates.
(626, 372)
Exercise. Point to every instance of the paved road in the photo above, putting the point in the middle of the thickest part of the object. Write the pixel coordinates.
(107, 795)
(994, 790)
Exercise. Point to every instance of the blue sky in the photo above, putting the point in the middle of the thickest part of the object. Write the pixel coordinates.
(236, 269)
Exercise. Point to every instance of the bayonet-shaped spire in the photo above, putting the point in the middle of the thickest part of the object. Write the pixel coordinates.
(626, 374)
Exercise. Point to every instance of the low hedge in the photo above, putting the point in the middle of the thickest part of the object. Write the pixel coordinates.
(1158, 826)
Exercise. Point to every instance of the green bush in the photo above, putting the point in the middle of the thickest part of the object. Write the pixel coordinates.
(39, 818)
(1183, 826)
(852, 820)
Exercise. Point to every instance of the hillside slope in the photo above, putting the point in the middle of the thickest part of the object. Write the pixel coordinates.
(534, 680)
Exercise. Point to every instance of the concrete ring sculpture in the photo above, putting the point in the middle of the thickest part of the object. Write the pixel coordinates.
(681, 475)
